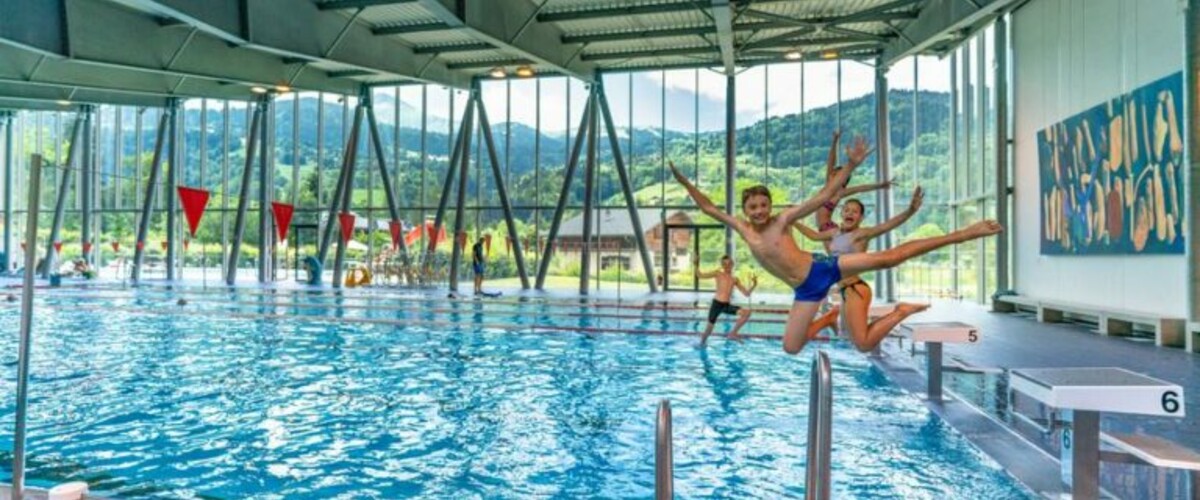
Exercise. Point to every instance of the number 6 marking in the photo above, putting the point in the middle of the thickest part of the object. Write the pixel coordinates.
(1170, 402)
(1066, 439)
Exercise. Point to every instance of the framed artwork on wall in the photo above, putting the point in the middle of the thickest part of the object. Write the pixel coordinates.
(1112, 176)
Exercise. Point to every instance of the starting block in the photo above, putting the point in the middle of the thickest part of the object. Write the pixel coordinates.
(934, 335)
(1082, 395)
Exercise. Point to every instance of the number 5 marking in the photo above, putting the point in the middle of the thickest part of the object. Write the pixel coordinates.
(972, 336)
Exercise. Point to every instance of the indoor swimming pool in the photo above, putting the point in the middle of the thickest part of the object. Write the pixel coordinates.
(252, 394)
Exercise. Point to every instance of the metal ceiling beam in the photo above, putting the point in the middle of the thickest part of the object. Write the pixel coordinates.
(863, 15)
(350, 73)
(460, 47)
(304, 33)
(629, 10)
(510, 25)
(938, 20)
(25, 95)
(119, 47)
(489, 64)
(708, 49)
(637, 54)
(126, 74)
(723, 21)
(619, 36)
(798, 43)
(865, 54)
(404, 29)
(47, 36)
(357, 4)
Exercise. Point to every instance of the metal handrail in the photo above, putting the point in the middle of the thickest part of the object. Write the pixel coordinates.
(820, 428)
(664, 468)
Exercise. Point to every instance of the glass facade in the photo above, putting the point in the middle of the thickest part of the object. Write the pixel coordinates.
(941, 116)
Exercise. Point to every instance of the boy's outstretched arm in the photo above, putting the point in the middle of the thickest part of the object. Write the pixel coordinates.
(918, 197)
(866, 188)
(857, 154)
(831, 162)
(813, 234)
(702, 201)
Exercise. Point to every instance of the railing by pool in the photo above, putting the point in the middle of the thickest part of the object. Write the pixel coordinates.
(820, 428)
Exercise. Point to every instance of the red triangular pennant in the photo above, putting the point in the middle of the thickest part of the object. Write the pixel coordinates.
(413, 235)
(141, 245)
(194, 201)
(116, 246)
(58, 246)
(395, 228)
(347, 221)
(283, 218)
(87, 247)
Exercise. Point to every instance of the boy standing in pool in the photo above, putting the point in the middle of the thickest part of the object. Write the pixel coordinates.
(810, 275)
(721, 302)
(477, 265)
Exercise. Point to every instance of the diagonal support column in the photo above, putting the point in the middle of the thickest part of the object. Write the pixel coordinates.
(175, 153)
(486, 127)
(440, 215)
(266, 242)
(626, 187)
(239, 224)
(464, 161)
(344, 178)
(86, 168)
(883, 162)
(564, 194)
(347, 191)
(139, 251)
(64, 188)
(589, 188)
(384, 176)
(6, 118)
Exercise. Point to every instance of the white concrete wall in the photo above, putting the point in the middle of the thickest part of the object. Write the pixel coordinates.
(1070, 55)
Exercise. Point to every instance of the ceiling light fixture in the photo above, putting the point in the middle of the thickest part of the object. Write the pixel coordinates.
(283, 88)
(829, 54)
(793, 55)
(524, 71)
(63, 102)
(258, 90)
(498, 72)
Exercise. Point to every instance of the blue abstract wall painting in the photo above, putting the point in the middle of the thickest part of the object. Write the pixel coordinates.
(1112, 176)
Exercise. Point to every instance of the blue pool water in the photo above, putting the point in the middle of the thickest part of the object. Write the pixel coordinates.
(260, 396)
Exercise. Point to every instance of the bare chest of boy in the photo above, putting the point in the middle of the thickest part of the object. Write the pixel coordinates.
(778, 254)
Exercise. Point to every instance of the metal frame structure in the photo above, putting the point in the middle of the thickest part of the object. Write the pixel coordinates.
(820, 429)
(6, 119)
(60, 202)
(222, 50)
(595, 111)
(255, 136)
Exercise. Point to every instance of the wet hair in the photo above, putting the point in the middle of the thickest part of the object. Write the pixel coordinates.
(759, 190)
(862, 209)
